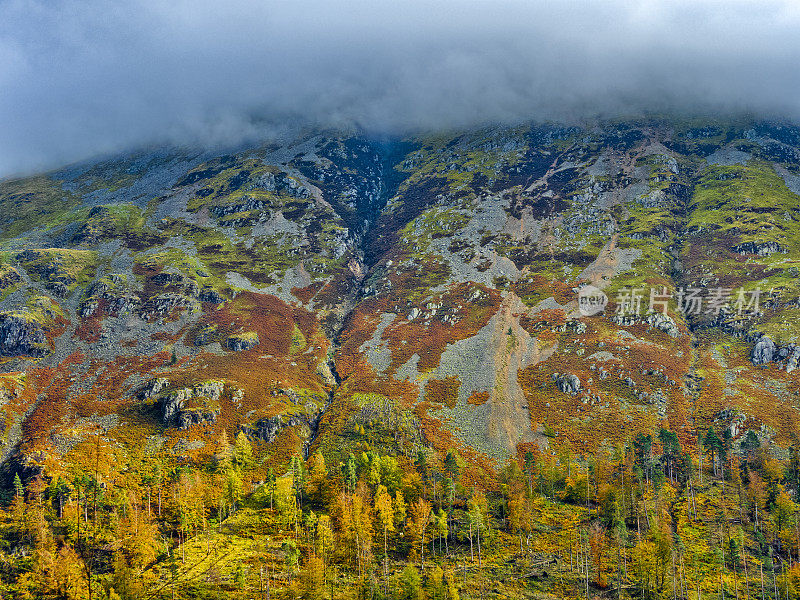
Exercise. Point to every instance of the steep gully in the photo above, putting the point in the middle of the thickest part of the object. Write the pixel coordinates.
(390, 153)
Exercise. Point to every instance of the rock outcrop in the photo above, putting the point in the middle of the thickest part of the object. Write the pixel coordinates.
(763, 351)
(162, 305)
(9, 277)
(664, 323)
(242, 341)
(268, 429)
(206, 335)
(761, 249)
(568, 383)
(153, 388)
(185, 407)
(112, 291)
(21, 335)
(208, 294)
(793, 360)
(171, 404)
(196, 416)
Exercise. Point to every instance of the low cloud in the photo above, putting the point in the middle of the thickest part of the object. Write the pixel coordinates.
(88, 77)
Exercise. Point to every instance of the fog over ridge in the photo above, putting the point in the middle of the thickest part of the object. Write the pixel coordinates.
(85, 77)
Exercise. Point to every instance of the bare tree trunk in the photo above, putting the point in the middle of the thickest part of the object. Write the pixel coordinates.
(471, 553)
(480, 562)
(755, 505)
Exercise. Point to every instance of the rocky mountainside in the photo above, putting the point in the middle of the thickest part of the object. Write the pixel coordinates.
(332, 289)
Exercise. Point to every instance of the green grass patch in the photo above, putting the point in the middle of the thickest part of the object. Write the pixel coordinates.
(35, 203)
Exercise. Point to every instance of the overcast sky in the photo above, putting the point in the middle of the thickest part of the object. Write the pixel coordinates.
(91, 76)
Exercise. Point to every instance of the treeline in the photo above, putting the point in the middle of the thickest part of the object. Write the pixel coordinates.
(647, 519)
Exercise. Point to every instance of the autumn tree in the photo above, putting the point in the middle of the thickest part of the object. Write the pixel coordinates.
(125, 581)
(67, 574)
(670, 452)
(233, 489)
(324, 539)
(598, 546)
(642, 448)
(400, 509)
(371, 469)
(410, 584)
(440, 526)
(391, 474)
(661, 533)
(385, 510)
(18, 507)
(520, 516)
(420, 518)
(783, 515)
(272, 485)
(291, 554)
(223, 453)
(313, 578)
(318, 478)
(137, 541)
(715, 448)
(362, 521)
(530, 470)
(349, 474)
(477, 515)
(243, 451)
(298, 478)
(354, 528)
(435, 584)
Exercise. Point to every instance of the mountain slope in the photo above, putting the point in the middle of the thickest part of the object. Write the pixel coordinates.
(331, 290)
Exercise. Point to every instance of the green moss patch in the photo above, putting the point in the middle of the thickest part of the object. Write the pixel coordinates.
(59, 267)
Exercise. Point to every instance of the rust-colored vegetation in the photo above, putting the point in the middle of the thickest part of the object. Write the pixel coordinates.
(478, 398)
(443, 391)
